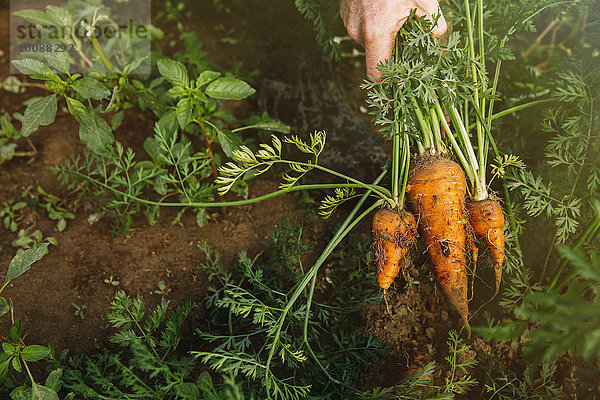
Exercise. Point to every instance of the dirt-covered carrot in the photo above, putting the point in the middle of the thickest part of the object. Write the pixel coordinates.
(487, 220)
(394, 232)
(436, 190)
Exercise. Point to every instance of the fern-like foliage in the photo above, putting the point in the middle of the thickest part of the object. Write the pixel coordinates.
(117, 179)
(248, 299)
(572, 162)
(331, 202)
(248, 162)
(326, 20)
(147, 366)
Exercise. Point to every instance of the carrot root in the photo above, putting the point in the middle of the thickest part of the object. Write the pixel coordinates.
(394, 234)
(487, 220)
(436, 190)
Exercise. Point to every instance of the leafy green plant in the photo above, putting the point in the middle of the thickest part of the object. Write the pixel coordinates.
(29, 240)
(534, 384)
(186, 101)
(54, 206)
(147, 366)
(8, 138)
(11, 215)
(16, 356)
(79, 310)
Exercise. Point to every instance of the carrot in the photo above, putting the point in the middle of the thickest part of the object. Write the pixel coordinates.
(487, 220)
(393, 234)
(436, 189)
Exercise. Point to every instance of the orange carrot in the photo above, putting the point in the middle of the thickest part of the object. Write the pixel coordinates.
(436, 189)
(487, 220)
(393, 234)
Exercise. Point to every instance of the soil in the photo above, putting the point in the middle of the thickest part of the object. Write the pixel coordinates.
(79, 270)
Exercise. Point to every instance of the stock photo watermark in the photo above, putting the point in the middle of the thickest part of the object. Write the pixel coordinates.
(67, 39)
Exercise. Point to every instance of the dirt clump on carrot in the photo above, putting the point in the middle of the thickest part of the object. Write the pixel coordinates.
(394, 233)
(487, 220)
(436, 191)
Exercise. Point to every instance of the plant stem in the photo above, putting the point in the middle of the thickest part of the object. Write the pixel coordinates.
(395, 161)
(467, 167)
(589, 233)
(512, 110)
(213, 164)
(226, 203)
(337, 238)
(342, 227)
(99, 50)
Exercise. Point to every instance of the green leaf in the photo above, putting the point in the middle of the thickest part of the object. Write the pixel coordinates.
(4, 368)
(21, 393)
(152, 213)
(201, 217)
(153, 149)
(184, 111)
(53, 380)
(207, 77)
(173, 71)
(37, 16)
(272, 126)
(116, 120)
(4, 307)
(229, 89)
(35, 353)
(41, 111)
(187, 390)
(61, 224)
(168, 122)
(77, 109)
(39, 392)
(8, 349)
(90, 88)
(133, 65)
(35, 69)
(94, 132)
(22, 262)
(15, 332)
(7, 152)
(229, 141)
(59, 60)
(16, 363)
(60, 15)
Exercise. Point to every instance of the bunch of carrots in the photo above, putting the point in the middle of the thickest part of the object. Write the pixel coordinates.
(433, 108)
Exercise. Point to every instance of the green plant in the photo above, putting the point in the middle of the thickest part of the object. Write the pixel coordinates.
(27, 241)
(112, 281)
(8, 138)
(16, 356)
(534, 384)
(147, 364)
(54, 206)
(11, 215)
(187, 101)
(79, 310)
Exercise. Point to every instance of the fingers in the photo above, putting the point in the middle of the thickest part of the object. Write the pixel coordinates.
(431, 10)
(379, 49)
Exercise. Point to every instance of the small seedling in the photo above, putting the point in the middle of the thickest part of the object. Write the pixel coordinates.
(79, 310)
(112, 281)
(162, 289)
(26, 241)
(11, 214)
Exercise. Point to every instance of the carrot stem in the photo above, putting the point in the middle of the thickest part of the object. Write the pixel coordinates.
(455, 146)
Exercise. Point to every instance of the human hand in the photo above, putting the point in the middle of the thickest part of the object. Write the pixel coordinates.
(375, 23)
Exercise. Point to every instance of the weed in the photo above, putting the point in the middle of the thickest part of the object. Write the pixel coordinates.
(79, 310)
